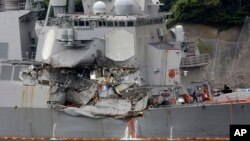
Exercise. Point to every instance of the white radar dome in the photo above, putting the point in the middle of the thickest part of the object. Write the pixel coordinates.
(99, 7)
(179, 32)
(124, 7)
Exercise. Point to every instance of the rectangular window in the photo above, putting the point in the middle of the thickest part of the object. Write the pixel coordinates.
(76, 23)
(100, 23)
(104, 23)
(110, 23)
(81, 23)
(4, 50)
(87, 23)
(150, 22)
(155, 21)
(130, 23)
(116, 23)
(160, 20)
(6, 73)
(121, 24)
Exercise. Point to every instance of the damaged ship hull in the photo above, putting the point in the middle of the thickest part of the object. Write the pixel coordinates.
(80, 63)
(201, 121)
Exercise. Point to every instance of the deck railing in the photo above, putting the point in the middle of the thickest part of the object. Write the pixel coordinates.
(33, 7)
(195, 61)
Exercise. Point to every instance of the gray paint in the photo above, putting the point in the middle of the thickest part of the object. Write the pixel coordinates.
(97, 32)
(6, 73)
(4, 50)
(33, 122)
(194, 121)
(208, 121)
(157, 64)
(26, 122)
(10, 32)
(144, 35)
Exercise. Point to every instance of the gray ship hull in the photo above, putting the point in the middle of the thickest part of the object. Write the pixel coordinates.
(210, 121)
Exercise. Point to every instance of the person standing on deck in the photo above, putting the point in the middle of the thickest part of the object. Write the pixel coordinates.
(195, 98)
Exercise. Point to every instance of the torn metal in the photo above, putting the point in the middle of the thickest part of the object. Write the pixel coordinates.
(95, 92)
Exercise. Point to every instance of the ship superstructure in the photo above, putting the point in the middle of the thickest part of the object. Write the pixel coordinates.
(112, 71)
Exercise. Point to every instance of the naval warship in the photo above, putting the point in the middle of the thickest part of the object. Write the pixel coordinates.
(111, 72)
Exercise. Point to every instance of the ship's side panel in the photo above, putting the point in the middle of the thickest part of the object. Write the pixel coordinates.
(83, 127)
(10, 93)
(26, 122)
(145, 35)
(196, 121)
(241, 114)
(47, 123)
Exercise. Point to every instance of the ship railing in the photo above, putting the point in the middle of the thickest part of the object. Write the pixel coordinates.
(33, 7)
(53, 22)
(21, 6)
(37, 7)
(94, 23)
(195, 61)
